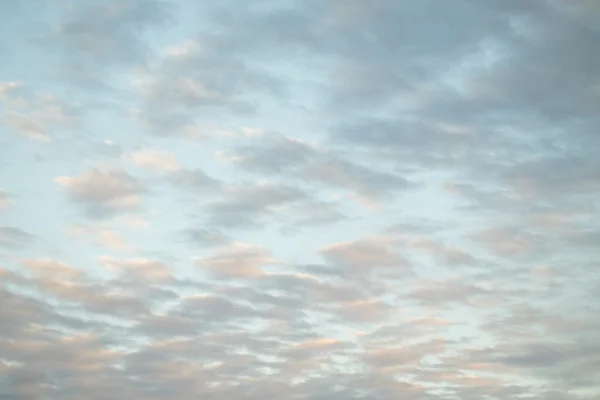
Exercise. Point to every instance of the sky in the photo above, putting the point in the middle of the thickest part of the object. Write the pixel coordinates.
(307, 199)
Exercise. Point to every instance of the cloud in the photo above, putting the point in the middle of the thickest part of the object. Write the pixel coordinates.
(159, 160)
(205, 238)
(312, 348)
(271, 153)
(90, 51)
(199, 76)
(445, 291)
(15, 238)
(107, 238)
(294, 158)
(27, 126)
(213, 310)
(363, 311)
(245, 204)
(7, 87)
(439, 251)
(302, 287)
(507, 242)
(349, 199)
(193, 180)
(364, 253)
(37, 116)
(113, 240)
(5, 201)
(238, 260)
(140, 268)
(403, 356)
(53, 270)
(103, 193)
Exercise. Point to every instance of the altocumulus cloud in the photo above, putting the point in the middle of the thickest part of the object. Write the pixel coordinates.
(322, 199)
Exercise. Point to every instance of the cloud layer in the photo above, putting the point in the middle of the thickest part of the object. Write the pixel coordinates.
(333, 199)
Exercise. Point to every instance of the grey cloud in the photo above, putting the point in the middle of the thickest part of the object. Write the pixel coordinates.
(564, 347)
(194, 180)
(499, 98)
(390, 334)
(474, 128)
(190, 179)
(272, 305)
(508, 241)
(36, 115)
(189, 344)
(308, 288)
(245, 205)
(313, 213)
(199, 75)
(150, 270)
(584, 238)
(15, 238)
(103, 193)
(369, 311)
(26, 125)
(403, 356)
(493, 203)
(205, 237)
(372, 40)
(421, 144)
(357, 178)
(273, 153)
(568, 177)
(570, 361)
(166, 326)
(446, 254)
(69, 297)
(21, 310)
(211, 310)
(367, 253)
(92, 39)
(304, 161)
(416, 226)
(446, 291)
(97, 298)
(54, 270)
(539, 356)
(238, 260)
(13, 309)
(358, 39)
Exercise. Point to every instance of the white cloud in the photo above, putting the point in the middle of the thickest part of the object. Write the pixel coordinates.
(160, 160)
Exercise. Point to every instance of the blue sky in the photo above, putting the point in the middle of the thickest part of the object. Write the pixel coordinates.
(299, 199)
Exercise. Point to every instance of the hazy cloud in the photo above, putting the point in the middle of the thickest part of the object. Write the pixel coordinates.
(319, 199)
